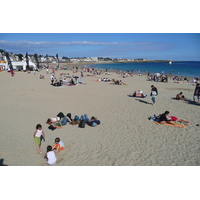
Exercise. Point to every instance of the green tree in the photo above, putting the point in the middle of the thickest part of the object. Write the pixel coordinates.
(20, 56)
(1, 50)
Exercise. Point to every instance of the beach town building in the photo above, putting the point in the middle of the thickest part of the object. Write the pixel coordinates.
(17, 65)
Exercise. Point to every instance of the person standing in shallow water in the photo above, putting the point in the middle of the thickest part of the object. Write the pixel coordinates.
(154, 93)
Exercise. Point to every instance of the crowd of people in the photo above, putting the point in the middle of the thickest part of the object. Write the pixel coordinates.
(62, 80)
(157, 77)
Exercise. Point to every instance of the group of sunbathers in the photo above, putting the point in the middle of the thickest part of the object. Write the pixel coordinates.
(61, 120)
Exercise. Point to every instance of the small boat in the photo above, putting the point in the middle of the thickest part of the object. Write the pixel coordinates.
(170, 62)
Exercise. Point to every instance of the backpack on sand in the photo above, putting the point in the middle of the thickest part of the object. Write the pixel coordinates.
(81, 124)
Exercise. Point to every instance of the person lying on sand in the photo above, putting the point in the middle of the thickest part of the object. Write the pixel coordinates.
(93, 121)
(52, 120)
(175, 119)
(55, 120)
(139, 93)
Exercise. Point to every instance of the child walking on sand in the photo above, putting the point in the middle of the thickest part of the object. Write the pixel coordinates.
(58, 145)
(50, 156)
(37, 134)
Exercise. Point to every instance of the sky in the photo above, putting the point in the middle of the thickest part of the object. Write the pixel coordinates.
(153, 46)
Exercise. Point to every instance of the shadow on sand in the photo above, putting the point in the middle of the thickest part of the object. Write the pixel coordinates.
(188, 102)
(174, 98)
(192, 102)
(142, 101)
(1, 162)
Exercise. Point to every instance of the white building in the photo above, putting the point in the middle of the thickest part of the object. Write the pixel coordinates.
(95, 59)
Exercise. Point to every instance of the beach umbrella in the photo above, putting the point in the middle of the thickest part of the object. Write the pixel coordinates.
(9, 63)
(27, 62)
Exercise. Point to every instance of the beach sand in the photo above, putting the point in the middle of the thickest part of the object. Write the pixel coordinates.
(125, 136)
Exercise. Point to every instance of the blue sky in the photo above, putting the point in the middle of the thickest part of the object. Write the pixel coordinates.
(176, 46)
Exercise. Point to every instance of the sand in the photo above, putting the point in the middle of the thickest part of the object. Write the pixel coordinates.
(125, 136)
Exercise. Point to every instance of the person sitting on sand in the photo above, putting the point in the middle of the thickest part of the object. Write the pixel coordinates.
(175, 119)
(58, 145)
(180, 96)
(164, 118)
(50, 156)
(72, 82)
(56, 82)
(41, 76)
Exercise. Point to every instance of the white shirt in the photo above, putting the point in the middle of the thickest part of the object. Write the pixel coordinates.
(52, 77)
(38, 133)
(51, 158)
(61, 144)
(55, 119)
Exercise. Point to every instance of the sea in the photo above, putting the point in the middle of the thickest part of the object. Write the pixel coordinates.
(184, 68)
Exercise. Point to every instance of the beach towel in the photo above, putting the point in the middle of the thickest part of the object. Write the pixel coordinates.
(176, 125)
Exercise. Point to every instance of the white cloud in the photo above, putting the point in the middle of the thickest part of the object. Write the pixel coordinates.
(82, 48)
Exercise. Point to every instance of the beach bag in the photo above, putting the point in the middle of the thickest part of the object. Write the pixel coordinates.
(81, 124)
(154, 93)
(51, 128)
(61, 115)
(69, 115)
(64, 121)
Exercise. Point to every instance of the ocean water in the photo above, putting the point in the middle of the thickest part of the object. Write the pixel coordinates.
(184, 68)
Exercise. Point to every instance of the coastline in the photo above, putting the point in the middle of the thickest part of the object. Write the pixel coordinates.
(137, 69)
(82, 65)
